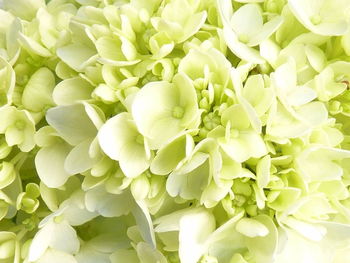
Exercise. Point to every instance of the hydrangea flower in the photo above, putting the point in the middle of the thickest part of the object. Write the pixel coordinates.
(174, 131)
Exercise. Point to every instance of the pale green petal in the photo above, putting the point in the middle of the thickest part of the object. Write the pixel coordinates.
(314, 113)
(106, 204)
(47, 28)
(225, 240)
(144, 222)
(173, 29)
(214, 193)
(237, 117)
(160, 45)
(248, 144)
(193, 24)
(190, 179)
(322, 17)
(124, 255)
(251, 228)
(78, 159)
(320, 163)
(264, 247)
(300, 249)
(263, 171)
(56, 256)
(148, 254)
(110, 51)
(187, 98)
(316, 57)
(74, 209)
(37, 94)
(121, 141)
(257, 95)
(267, 30)
(63, 237)
(89, 254)
(249, 1)
(314, 207)
(154, 117)
(72, 90)
(230, 168)
(239, 49)
(72, 123)
(22, 8)
(40, 243)
(33, 47)
(7, 82)
(7, 174)
(168, 157)
(14, 136)
(193, 236)
(283, 124)
(247, 21)
(77, 56)
(283, 198)
(49, 163)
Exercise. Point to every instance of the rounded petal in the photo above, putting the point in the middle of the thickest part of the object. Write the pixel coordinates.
(77, 56)
(72, 90)
(37, 94)
(78, 159)
(72, 123)
(152, 110)
(121, 141)
(49, 163)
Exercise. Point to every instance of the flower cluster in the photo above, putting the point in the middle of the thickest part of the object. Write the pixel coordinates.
(175, 131)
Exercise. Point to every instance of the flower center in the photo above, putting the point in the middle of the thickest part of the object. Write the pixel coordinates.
(316, 19)
(139, 139)
(20, 125)
(243, 38)
(178, 112)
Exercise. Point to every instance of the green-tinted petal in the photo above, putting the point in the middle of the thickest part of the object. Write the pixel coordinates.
(193, 24)
(72, 90)
(263, 171)
(77, 56)
(72, 123)
(49, 163)
(247, 21)
(267, 30)
(190, 180)
(24, 9)
(168, 157)
(320, 163)
(121, 141)
(37, 94)
(327, 18)
(110, 51)
(33, 47)
(124, 255)
(144, 223)
(148, 254)
(161, 110)
(106, 204)
(78, 159)
(264, 247)
(193, 236)
(7, 82)
(239, 49)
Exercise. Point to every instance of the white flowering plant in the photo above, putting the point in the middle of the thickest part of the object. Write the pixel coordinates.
(175, 131)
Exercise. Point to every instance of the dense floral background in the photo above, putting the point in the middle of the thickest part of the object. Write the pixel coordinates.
(179, 131)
